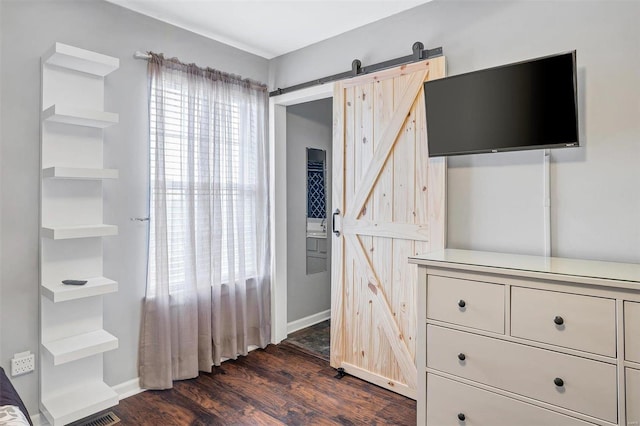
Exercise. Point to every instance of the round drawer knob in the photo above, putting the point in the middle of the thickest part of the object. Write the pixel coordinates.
(462, 303)
(462, 356)
(461, 417)
(558, 320)
(558, 382)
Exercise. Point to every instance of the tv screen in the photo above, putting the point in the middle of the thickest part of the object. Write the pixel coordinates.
(526, 105)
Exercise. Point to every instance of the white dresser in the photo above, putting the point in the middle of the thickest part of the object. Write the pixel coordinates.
(519, 340)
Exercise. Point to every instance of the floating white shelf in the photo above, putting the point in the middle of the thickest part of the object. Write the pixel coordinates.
(78, 173)
(96, 286)
(75, 404)
(80, 346)
(82, 231)
(79, 117)
(74, 58)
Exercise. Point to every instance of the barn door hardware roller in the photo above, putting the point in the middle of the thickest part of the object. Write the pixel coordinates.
(419, 54)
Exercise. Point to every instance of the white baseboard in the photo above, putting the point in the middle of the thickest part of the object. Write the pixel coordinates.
(128, 388)
(308, 321)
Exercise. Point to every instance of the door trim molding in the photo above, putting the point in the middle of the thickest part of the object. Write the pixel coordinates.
(278, 196)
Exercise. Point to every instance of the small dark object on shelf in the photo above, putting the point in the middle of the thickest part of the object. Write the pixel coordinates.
(74, 282)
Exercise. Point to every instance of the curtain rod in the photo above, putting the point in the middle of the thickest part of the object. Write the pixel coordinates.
(141, 55)
(419, 54)
(219, 74)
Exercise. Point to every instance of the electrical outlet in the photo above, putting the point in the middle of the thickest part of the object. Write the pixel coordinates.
(23, 363)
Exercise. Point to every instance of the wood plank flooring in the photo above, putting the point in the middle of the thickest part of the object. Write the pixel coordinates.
(276, 386)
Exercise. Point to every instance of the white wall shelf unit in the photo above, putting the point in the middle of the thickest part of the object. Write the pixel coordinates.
(66, 114)
(79, 173)
(72, 336)
(80, 231)
(95, 286)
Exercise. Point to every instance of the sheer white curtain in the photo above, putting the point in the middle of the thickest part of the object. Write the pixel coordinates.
(208, 274)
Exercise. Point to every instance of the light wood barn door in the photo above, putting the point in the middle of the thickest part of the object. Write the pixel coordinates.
(391, 199)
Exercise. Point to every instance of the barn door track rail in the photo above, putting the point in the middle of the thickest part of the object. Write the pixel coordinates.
(419, 54)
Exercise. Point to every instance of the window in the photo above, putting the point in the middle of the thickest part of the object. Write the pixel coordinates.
(210, 185)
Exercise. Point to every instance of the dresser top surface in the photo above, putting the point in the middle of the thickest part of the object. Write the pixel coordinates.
(534, 266)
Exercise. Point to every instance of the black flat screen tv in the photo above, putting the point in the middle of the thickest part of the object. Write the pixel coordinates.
(526, 105)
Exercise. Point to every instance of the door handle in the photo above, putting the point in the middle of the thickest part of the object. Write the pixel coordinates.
(333, 222)
(139, 219)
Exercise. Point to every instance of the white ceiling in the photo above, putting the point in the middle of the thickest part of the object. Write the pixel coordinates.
(269, 28)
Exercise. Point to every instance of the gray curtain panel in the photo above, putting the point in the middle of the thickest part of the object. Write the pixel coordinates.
(208, 284)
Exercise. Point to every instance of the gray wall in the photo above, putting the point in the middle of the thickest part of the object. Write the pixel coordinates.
(309, 125)
(28, 29)
(495, 200)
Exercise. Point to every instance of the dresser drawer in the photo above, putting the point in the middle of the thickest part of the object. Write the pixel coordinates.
(569, 320)
(470, 303)
(588, 387)
(632, 332)
(633, 396)
(448, 399)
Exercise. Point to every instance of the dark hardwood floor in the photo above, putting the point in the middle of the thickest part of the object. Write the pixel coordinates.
(276, 386)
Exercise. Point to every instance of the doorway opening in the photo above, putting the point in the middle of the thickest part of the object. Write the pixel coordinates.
(309, 152)
(293, 225)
